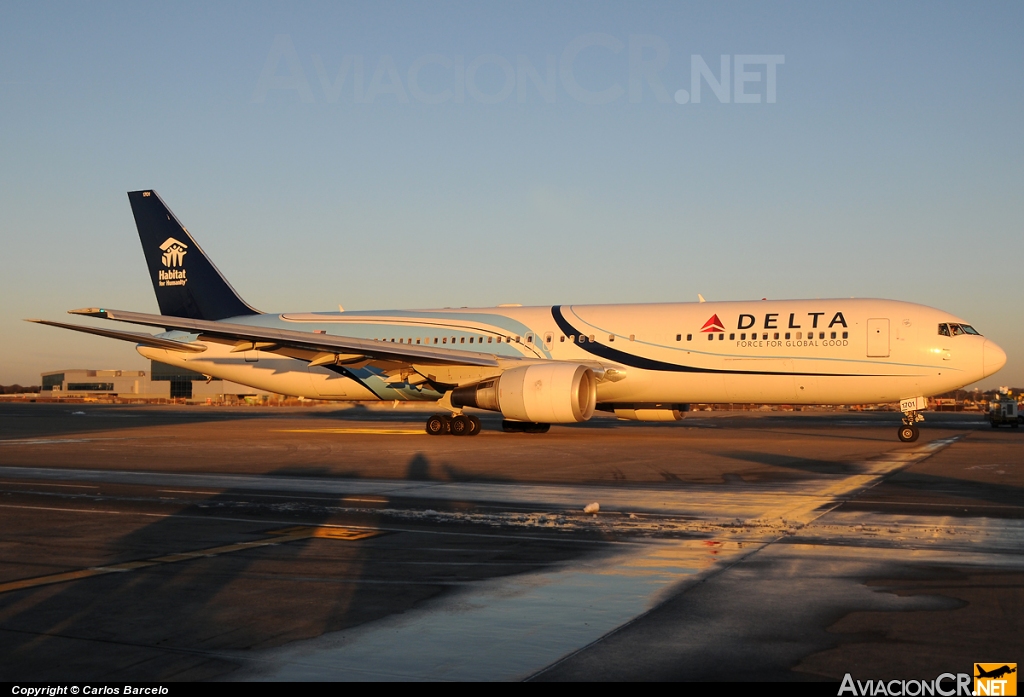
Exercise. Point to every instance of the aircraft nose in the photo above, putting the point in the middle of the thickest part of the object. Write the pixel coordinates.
(994, 358)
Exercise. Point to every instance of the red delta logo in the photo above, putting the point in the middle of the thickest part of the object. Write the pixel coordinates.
(713, 325)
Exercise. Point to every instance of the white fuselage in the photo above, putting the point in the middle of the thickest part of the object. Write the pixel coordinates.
(852, 351)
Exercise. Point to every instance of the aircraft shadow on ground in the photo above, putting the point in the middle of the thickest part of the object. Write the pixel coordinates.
(194, 619)
(934, 490)
(801, 464)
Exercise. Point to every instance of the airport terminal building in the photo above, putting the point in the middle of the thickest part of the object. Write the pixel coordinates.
(162, 381)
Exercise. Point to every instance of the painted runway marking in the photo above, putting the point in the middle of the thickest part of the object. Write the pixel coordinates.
(365, 431)
(49, 441)
(282, 536)
(290, 497)
(578, 540)
(69, 486)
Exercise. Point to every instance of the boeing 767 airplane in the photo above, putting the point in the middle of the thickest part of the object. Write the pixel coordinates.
(542, 365)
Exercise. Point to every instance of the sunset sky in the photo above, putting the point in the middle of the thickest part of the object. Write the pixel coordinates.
(397, 155)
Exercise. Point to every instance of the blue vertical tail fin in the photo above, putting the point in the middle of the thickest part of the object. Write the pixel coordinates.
(185, 281)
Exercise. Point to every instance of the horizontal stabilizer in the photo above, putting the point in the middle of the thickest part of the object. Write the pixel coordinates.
(134, 337)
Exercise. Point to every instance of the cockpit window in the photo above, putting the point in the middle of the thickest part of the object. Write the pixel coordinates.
(957, 329)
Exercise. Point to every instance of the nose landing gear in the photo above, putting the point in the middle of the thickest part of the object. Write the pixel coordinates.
(912, 416)
(909, 431)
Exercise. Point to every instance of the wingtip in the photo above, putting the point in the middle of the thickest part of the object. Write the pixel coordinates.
(89, 312)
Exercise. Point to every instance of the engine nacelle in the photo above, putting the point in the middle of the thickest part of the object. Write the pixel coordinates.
(540, 392)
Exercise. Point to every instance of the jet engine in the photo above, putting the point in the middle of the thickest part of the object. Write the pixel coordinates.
(540, 393)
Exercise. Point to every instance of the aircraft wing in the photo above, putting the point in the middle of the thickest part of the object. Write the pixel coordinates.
(319, 349)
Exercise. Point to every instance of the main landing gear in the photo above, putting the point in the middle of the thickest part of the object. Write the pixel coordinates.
(458, 425)
(909, 431)
(465, 425)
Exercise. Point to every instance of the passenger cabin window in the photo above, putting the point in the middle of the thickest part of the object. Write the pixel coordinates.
(689, 337)
(846, 335)
(679, 337)
(562, 338)
(529, 338)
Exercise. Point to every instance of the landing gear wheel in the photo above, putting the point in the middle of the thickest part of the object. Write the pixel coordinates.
(461, 425)
(438, 425)
(909, 433)
(474, 424)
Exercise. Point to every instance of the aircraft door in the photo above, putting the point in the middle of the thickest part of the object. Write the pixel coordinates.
(878, 338)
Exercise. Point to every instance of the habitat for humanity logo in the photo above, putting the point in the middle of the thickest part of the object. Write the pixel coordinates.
(989, 679)
(173, 257)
